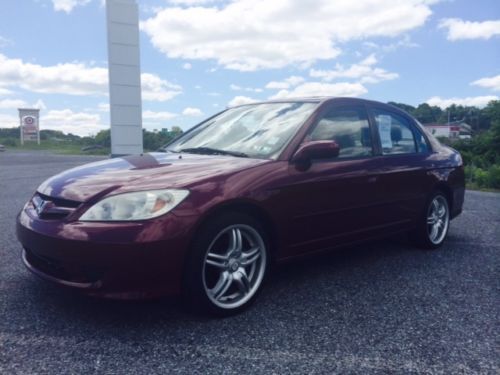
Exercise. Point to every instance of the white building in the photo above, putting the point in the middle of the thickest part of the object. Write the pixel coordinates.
(452, 130)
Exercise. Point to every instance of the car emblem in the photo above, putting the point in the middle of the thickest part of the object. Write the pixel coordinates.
(40, 206)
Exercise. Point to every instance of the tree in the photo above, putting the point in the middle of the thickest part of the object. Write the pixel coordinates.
(103, 138)
(405, 107)
(427, 114)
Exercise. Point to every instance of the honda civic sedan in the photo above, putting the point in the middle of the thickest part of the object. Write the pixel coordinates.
(254, 185)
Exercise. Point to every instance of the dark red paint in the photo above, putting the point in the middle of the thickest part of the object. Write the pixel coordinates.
(306, 209)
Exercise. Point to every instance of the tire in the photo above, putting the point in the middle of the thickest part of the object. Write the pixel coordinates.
(227, 265)
(434, 223)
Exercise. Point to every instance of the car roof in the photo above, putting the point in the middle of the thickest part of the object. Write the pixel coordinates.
(314, 99)
(332, 99)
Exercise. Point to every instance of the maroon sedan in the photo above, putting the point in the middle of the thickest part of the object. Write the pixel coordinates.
(250, 186)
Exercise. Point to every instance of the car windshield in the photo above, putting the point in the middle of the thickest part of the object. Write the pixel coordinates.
(255, 130)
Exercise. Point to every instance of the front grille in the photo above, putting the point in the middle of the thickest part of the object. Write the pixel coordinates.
(50, 208)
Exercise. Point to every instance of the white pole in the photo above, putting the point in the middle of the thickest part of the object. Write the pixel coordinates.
(122, 18)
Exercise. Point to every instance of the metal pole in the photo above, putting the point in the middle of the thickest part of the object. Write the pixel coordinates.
(21, 129)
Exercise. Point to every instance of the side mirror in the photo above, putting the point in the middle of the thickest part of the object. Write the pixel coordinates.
(316, 150)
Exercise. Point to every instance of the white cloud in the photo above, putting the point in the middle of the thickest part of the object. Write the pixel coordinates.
(5, 92)
(187, 66)
(155, 120)
(12, 103)
(309, 89)
(248, 35)
(103, 107)
(476, 101)
(158, 116)
(156, 89)
(363, 71)
(192, 2)
(240, 100)
(4, 42)
(248, 89)
(460, 29)
(489, 82)
(190, 111)
(75, 79)
(80, 123)
(286, 83)
(19, 103)
(39, 104)
(404, 42)
(8, 121)
(68, 5)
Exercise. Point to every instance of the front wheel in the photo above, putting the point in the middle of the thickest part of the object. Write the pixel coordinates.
(433, 226)
(227, 264)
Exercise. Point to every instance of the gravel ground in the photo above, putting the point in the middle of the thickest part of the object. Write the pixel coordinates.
(378, 308)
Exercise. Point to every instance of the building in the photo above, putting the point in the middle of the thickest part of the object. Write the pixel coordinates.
(453, 130)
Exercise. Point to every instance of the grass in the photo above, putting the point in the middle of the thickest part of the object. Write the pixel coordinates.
(474, 186)
(64, 148)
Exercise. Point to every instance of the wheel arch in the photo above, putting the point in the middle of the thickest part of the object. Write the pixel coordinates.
(448, 193)
(250, 208)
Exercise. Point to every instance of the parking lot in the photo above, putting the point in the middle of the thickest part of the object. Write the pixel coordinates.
(377, 308)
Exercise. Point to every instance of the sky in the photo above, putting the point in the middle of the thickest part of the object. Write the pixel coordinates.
(201, 56)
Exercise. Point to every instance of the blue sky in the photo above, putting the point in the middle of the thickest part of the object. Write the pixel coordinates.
(199, 56)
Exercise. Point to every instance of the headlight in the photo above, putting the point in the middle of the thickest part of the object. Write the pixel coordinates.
(135, 206)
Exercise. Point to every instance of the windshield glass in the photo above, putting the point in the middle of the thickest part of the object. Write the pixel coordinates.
(256, 131)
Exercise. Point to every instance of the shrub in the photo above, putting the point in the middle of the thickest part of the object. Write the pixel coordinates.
(493, 178)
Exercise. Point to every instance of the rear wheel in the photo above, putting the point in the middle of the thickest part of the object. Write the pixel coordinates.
(433, 225)
(227, 264)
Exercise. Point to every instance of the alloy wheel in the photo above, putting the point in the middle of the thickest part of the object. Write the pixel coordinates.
(437, 219)
(234, 266)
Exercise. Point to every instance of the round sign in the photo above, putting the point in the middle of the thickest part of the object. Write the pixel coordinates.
(28, 120)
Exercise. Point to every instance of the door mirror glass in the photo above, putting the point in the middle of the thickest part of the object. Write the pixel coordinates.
(316, 150)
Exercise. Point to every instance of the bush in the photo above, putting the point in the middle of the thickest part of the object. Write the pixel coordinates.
(9, 142)
(493, 178)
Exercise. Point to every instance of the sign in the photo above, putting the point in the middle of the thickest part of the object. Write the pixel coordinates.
(29, 123)
(384, 128)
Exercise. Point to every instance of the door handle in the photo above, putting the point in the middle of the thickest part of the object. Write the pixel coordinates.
(372, 179)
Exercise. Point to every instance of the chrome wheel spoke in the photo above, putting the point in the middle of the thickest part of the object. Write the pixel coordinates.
(431, 220)
(434, 232)
(224, 283)
(241, 280)
(236, 241)
(435, 206)
(441, 212)
(217, 260)
(250, 256)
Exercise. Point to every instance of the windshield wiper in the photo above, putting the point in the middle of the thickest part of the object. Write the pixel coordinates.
(164, 149)
(213, 151)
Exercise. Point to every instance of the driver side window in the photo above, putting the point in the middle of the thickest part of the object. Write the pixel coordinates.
(349, 127)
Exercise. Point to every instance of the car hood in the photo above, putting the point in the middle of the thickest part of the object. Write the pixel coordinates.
(141, 172)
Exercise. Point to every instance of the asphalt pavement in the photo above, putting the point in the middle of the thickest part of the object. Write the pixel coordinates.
(383, 307)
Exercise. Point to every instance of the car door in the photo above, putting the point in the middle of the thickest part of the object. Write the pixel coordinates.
(404, 153)
(335, 201)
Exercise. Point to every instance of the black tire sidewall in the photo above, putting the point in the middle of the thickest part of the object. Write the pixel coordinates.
(193, 289)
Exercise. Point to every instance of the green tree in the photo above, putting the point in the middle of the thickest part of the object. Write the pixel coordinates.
(103, 138)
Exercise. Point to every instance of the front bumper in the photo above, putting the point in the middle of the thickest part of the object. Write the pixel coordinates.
(113, 260)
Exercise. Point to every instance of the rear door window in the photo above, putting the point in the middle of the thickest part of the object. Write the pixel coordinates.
(396, 133)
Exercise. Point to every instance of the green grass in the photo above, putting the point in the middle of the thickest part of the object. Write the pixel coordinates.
(55, 147)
